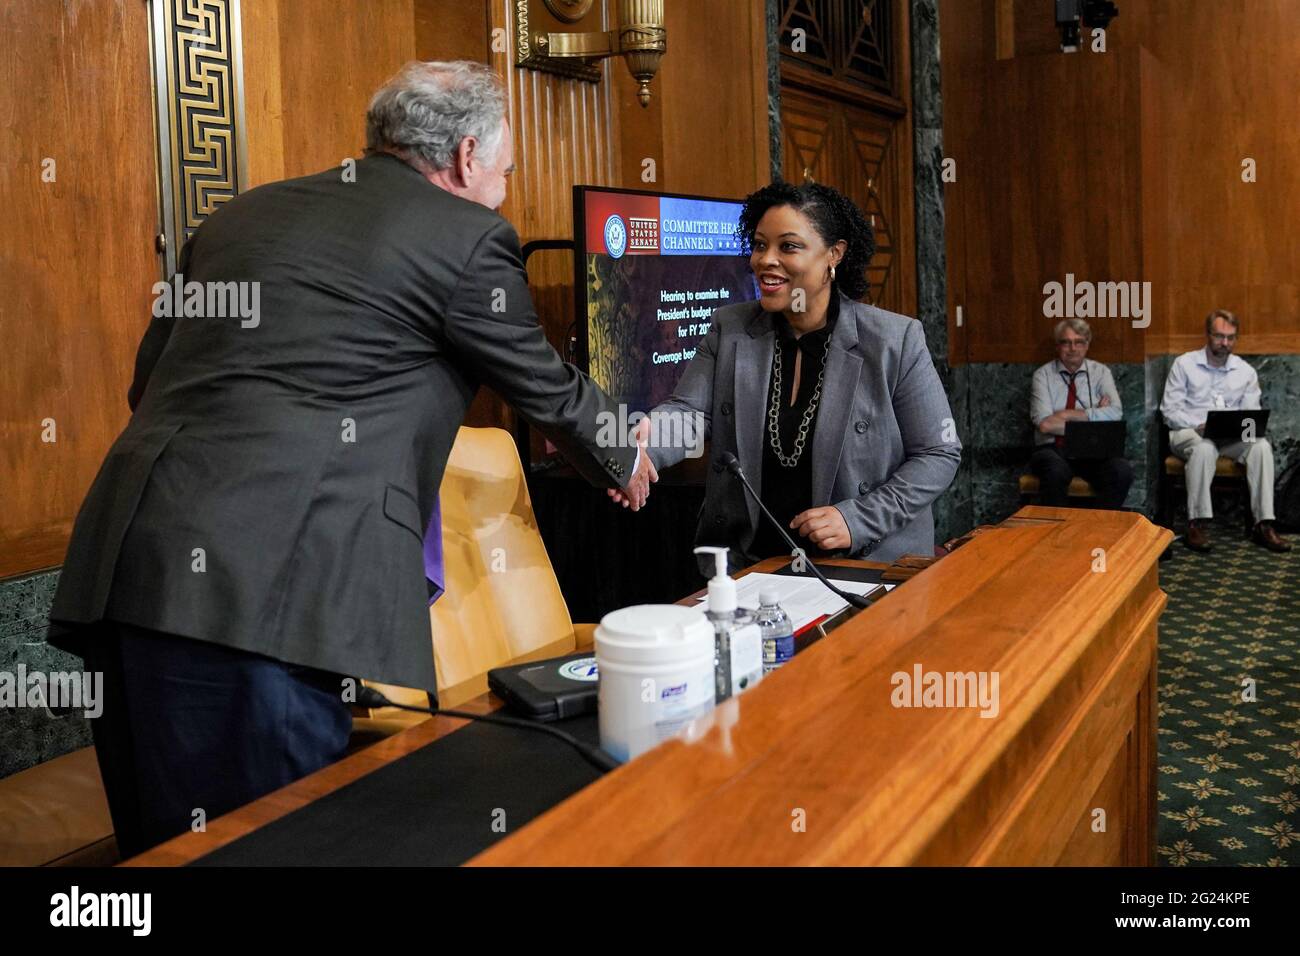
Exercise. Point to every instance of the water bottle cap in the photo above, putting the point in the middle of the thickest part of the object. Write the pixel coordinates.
(769, 594)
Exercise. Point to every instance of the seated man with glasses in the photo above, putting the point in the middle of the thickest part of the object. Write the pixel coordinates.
(1202, 381)
(1073, 387)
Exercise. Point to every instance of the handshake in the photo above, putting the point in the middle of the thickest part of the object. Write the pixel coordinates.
(638, 489)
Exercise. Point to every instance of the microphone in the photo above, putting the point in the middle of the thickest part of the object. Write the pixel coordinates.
(733, 465)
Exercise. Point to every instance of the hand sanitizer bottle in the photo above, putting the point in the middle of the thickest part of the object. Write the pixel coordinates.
(738, 644)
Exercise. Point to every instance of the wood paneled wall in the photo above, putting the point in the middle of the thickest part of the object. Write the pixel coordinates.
(451, 31)
(76, 255)
(712, 89)
(1219, 88)
(1062, 193)
(310, 68)
(1233, 67)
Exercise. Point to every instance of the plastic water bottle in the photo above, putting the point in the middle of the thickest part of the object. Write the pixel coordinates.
(778, 634)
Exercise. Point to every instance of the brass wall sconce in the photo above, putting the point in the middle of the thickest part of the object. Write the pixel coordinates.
(640, 38)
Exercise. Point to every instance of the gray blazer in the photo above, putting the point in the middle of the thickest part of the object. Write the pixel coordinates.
(885, 445)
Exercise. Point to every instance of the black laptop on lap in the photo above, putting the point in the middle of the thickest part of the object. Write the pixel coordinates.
(1094, 440)
(1238, 424)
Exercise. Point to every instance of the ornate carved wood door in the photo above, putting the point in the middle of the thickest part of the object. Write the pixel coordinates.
(846, 122)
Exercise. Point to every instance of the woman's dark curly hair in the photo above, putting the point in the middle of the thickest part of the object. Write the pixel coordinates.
(832, 214)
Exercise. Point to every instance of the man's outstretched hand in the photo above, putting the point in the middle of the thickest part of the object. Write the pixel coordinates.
(638, 489)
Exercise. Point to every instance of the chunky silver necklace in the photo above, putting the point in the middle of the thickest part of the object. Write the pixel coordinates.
(774, 410)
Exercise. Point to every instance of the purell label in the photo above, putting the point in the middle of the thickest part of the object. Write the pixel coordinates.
(746, 657)
(682, 703)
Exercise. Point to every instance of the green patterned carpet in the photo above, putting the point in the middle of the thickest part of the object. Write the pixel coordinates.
(1229, 780)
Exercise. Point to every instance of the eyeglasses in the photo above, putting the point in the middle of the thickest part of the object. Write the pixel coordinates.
(1072, 343)
(1220, 337)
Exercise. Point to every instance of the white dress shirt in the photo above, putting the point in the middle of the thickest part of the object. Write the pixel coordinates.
(1051, 390)
(1195, 387)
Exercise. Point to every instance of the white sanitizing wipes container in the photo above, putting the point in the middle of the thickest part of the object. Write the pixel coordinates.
(656, 675)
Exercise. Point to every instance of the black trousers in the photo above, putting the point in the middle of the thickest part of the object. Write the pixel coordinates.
(192, 730)
(1109, 477)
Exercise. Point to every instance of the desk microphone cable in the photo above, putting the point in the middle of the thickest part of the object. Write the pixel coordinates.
(369, 697)
(732, 464)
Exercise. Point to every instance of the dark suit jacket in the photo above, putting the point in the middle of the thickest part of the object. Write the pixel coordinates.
(885, 446)
(384, 303)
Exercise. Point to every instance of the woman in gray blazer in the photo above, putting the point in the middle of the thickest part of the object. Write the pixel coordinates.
(833, 408)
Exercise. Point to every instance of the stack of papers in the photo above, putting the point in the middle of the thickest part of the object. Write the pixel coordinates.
(805, 599)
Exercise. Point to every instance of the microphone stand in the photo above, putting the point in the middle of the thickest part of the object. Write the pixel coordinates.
(733, 465)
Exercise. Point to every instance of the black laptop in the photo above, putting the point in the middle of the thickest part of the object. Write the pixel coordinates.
(1223, 425)
(1094, 440)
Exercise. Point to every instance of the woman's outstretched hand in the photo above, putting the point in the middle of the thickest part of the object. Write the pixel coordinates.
(824, 527)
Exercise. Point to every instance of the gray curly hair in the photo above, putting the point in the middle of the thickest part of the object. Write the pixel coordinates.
(426, 109)
(1077, 326)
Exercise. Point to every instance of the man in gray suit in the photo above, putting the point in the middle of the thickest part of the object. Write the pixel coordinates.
(257, 530)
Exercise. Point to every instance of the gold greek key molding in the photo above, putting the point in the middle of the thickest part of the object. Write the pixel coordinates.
(198, 89)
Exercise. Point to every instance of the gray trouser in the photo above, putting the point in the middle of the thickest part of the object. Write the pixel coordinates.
(1201, 455)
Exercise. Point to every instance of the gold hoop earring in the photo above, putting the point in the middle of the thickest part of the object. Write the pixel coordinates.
(832, 272)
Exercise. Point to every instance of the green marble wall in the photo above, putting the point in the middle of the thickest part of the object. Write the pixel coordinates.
(1279, 376)
(954, 511)
(29, 736)
(775, 145)
(997, 435)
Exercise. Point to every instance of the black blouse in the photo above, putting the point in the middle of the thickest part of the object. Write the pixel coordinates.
(787, 490)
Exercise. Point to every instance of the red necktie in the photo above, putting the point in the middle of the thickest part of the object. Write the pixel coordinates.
(1071, 399)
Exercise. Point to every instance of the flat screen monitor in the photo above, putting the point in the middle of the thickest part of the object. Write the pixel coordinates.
(650, 270)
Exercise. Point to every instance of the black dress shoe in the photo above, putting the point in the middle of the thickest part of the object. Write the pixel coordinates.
(1198, 539)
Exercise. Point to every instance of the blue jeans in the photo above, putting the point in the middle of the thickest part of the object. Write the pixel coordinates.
(192, 730)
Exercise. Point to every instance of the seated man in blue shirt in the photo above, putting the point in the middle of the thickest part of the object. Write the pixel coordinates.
(1072, 387)
(1199, 382)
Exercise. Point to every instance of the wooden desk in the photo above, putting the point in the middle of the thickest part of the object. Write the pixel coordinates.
(819, 744)
(816, 766)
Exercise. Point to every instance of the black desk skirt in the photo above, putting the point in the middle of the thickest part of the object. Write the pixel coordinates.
(601, 553)
(438, 806)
